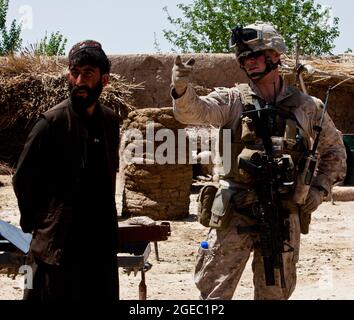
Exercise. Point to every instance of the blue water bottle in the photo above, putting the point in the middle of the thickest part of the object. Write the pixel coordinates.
(204, 247)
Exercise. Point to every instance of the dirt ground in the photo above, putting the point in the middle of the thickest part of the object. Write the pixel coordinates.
(325, 269)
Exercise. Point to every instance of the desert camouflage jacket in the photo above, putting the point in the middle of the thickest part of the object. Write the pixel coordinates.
(223, 108)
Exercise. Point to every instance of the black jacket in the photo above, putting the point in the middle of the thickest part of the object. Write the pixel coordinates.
(47, 177)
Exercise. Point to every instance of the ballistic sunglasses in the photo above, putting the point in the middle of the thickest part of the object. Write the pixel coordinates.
(245, 36)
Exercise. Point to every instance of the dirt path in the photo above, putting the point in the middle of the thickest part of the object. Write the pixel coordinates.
(325, 269)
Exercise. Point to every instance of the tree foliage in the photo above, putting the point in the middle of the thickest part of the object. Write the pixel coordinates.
(206, 24)
(10, 40)
(54, 46)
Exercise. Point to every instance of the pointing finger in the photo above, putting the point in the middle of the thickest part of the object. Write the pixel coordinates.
(178, 61)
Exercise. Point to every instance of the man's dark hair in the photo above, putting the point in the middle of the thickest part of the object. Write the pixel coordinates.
(89, 52)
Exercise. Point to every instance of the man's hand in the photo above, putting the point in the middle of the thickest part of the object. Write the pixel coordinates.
(180, 74)
(314, 199)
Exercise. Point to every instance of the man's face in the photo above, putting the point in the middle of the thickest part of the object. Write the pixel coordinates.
(85, 85)
(255, 63)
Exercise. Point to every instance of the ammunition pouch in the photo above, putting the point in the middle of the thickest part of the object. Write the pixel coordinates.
(305, 220)
(247, 155)
(205, 202)
(248, 131)
(222, 209)
(216, 206)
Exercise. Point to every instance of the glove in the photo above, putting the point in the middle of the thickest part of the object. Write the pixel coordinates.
(180, 75)
(314, 199)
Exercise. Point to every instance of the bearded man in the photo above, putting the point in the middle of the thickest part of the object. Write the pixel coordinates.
(65, 186)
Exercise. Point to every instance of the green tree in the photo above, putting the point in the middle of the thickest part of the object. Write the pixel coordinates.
(206, 24)
(54, 46)
(10, 40)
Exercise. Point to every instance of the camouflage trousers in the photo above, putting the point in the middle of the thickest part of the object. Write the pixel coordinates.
(218, 272)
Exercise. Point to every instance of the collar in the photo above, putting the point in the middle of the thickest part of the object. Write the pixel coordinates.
(84, 115)
(287, 95)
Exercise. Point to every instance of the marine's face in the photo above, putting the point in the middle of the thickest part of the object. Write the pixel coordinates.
(254, 63)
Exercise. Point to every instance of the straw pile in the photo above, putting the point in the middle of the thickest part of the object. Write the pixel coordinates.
(29, 85)
(322, 73)
(324, 70)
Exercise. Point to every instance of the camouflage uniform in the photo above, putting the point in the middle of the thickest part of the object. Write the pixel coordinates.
(217, 273)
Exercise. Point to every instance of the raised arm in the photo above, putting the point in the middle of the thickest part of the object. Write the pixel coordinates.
(217, 108)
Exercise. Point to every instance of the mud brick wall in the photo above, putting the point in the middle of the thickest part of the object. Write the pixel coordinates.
(158, 191)
(154, 72)
(340, 105)
(210, 71)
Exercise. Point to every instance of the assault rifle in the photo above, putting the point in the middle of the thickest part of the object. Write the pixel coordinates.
(273, 180)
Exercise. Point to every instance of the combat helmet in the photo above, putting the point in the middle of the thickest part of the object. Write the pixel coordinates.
(256, 37)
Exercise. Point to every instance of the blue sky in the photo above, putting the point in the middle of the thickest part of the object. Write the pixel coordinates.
(127, 26)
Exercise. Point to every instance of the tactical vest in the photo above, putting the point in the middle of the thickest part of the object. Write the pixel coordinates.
(245, 142)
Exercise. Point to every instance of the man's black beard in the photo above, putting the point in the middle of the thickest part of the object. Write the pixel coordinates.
(81, 104)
